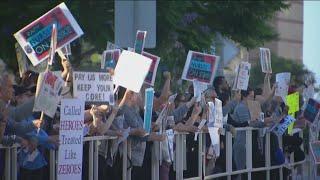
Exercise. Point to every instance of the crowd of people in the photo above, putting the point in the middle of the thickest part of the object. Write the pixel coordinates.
(36, 133)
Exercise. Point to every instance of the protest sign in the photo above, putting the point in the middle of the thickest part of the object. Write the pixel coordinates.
(255, 109)
(242, 76)
(131, 70)
(53, 44)
(49, 87)
(22, 60)
(198, 89)
(315, 150)
(218, 115)
(215, 139)
(211, 114)
(139, 42)
(200, 66)
(71, 139)
(170, 138)
(93, 87)
(283, 81)
(35, 37)
(282, 126)
(293, 103)
(265, 60)
(151, 76)
(110, 58)
(148, 105)
(312, 110)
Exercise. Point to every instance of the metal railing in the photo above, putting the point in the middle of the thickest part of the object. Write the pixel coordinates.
(180, 163)
(10, 170)
(229, 169)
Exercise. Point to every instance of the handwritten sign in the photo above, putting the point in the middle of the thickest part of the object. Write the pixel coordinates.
(283, 81)
(139, 42)
(35, 37)
(282, 126)
(265, 60)
(49, 87)
(198, 89)
(131, 70)
(109, 59)
(211, 114)
(93, 87)
(255, 109)
(218, 115)
(149, 93)
(151, 76)
(312, 110)
(200, 66)
(71, 139)
(242, 77)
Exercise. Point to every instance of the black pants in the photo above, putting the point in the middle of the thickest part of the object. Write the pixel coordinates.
(26, 174)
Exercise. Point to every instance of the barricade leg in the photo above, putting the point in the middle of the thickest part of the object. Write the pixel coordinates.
(129, 155)
(14, 163)
(200, 156)
(52, 165)
(7, 172)
(155, 160)
(229, 154)
(96, 160)
(91, 150)
(125, 160)
(179, 156)
(281, 146)
(249, 152)
(267, 155)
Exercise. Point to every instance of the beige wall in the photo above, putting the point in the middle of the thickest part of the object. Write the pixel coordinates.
(289, 25)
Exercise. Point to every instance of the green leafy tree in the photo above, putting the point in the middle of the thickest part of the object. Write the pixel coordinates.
(298, 71)
(181, 26)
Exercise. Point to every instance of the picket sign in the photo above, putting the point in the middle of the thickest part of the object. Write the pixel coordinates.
(93, 87)
(283, 81)
(35, 37)
(265, 60)
(241, 81)
(200, 66)
(71, 139)
(140, 41)
(131, 70)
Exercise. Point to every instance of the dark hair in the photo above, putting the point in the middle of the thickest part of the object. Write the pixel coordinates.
(224, 97)
(121, 92)
(218, 81)
(245, 93)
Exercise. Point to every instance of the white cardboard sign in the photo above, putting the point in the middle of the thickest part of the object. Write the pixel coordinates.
(242, 77)
(131, 70)
(283, 82)
(71, 139)
(93, 87)
(48, 93)
(265, 60)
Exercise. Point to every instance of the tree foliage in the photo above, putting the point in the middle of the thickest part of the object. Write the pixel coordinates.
(181, 25)
(298, 71)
